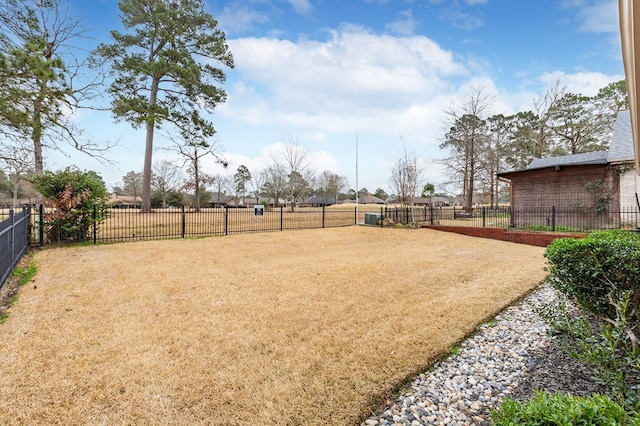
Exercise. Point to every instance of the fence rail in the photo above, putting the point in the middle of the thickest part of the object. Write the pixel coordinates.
(565, 219)
(131, 224)
(14, 240)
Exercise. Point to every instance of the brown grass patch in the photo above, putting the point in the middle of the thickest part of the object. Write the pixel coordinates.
(304, 327)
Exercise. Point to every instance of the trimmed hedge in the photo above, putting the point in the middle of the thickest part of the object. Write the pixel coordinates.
(590, 269)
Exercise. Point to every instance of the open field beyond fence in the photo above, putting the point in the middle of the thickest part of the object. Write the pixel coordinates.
(309, 327)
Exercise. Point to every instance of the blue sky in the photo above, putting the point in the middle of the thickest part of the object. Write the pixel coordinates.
(325, 73)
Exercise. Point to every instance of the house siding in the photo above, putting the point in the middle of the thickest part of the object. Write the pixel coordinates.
(629, 181)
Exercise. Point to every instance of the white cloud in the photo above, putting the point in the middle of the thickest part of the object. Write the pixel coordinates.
(236, 18)
(461, 16)
(352, 76)
(319, 160)
(404, 25)
(599, 17)
(303, 7)
(584, 83)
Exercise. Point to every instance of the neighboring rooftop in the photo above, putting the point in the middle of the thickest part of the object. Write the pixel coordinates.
(621, 145)
(587, 158)
(620, 150)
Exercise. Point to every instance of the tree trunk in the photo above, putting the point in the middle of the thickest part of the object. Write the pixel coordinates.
(36, 135)
(16, 187)
(196, 174)
(148, 149)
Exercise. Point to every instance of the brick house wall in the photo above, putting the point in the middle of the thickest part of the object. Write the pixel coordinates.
(565, 187)
(535, 192)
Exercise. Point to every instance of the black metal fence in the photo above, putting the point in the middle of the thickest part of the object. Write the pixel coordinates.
(564, 219)
(14, 240)
(131, 224)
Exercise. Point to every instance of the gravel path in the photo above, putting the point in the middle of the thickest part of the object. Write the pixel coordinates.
(512, 357)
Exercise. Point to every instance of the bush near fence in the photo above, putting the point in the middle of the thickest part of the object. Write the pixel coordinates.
(14, 240)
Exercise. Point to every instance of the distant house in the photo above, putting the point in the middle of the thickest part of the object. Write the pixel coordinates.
(441, 201)
(425, 201)
(223, 200)
(594, 181)
(219, 200)
(370, 199)
(124, 202)
(319, 201)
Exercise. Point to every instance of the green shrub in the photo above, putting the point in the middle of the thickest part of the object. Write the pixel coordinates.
(70, 196)
(604, 344)
(589, 270)
(563, 410)
(602, 274)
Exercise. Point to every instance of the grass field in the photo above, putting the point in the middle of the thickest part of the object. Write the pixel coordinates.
(311, 327)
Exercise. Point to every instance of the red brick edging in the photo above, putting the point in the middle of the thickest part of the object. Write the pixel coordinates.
(532, 238)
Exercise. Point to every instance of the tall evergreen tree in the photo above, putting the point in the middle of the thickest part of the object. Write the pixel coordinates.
(42, 78)
(163, 70)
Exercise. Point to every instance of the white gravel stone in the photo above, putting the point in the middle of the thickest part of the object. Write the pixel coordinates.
(462, 389)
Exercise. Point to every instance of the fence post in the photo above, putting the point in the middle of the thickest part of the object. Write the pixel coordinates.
(323, 215)
(27, 214)
(13, 235)
(431, 213)
(381, 217)
(512, 215)
(281, 212)
(41, 224)
(95, 226)
(226, 220)
(484, 217)
(553, 218)
(183, 222)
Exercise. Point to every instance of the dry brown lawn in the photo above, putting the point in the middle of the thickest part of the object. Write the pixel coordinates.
(291, 328)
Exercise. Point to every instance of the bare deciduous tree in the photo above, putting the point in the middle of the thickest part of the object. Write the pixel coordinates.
(330, 184)
(192, 149)
(132, 184)
(258, 180)
(294, 161)
(406, 177)
(276, 182)
(466, 140)
(17, 161)
(166, 178)
(221, 183)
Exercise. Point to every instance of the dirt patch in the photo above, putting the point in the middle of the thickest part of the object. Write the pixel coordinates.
(301, 327)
